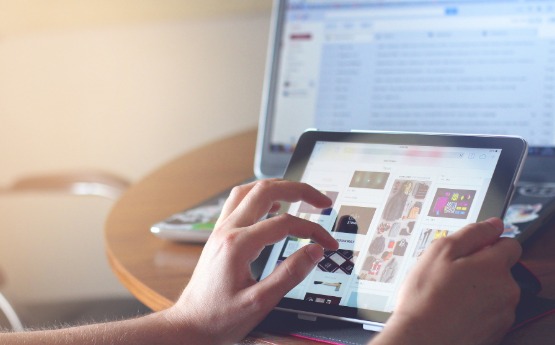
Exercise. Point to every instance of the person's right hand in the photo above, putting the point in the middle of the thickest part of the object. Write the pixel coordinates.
(223, 301)
(460, 292)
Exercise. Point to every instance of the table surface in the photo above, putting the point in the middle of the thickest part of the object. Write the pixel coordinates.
(156, 270)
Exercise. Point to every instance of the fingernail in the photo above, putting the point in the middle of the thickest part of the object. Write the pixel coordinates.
(315, 252)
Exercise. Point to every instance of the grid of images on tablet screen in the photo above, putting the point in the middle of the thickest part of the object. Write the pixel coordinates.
(390, 240)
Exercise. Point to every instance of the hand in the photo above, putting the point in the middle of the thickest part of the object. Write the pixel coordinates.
(460, 292)
(223, 302)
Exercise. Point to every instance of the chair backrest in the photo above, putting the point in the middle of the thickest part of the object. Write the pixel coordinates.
(10, 314)
(77, 183)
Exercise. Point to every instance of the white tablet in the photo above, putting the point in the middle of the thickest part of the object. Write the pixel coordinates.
(393, 194)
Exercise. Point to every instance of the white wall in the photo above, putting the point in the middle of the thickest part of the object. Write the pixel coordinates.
(52, 250)
(121, 98)
(127, 98)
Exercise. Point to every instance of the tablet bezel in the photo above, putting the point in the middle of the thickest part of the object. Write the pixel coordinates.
(505, 176)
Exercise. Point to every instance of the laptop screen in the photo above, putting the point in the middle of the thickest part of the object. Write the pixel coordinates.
(483, 67)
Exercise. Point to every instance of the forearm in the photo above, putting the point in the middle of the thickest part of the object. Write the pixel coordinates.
(150, 329)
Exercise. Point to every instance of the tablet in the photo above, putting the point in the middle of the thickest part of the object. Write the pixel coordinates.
(393, 195)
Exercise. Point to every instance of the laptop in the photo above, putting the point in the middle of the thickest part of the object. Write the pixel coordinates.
(478, 66)
(475, 66)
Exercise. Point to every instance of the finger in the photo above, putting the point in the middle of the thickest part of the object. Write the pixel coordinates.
(235, 197)
(512, 248)
(473, 237)
(277, 228)
(289, 274)
(506, 250)
(263, 194)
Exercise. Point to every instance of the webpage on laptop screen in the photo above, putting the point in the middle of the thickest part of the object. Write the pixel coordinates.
(390, 202)
(436, 66)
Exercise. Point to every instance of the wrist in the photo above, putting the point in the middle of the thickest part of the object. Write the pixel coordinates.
(184, 327)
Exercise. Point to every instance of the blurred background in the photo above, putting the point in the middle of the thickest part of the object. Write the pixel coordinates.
(115, 86)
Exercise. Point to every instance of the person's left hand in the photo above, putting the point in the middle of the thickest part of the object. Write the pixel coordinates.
(223, 302)
(460, 292)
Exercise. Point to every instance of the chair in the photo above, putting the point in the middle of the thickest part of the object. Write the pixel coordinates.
(77, 183)
(90, 183)
(8, 310)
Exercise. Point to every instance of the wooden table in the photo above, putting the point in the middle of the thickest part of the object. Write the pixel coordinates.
(156, 271)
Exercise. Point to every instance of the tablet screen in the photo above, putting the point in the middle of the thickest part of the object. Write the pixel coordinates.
(390, 202)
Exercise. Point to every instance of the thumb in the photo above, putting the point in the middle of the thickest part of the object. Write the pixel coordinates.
(290, 273)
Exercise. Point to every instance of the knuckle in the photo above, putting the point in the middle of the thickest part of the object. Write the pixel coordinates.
(228, 240)
(256, 301)
(262, 186)
(282, 223)
(516, 247)
(306, 185)
(446, 245)
(237, 191)
(293, 273)
(284, 218)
